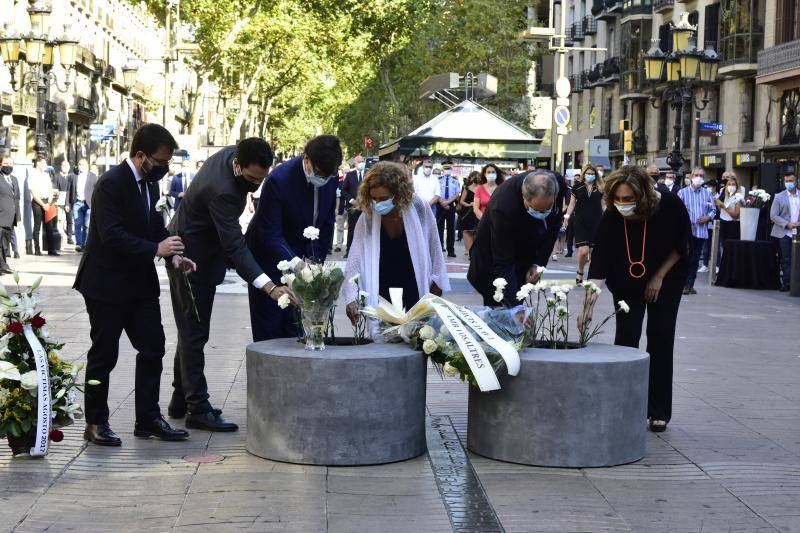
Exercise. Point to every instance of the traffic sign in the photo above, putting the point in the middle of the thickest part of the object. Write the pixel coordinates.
(563, 87)
(561, 116)
(102, 129)
(561, 130)
(710, 129)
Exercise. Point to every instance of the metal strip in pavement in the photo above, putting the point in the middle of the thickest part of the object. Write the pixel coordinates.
(466, 502)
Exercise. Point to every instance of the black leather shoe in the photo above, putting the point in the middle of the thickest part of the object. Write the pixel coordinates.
(160, 429)
(54, 254)
(101, 434)
(16, 255)
(210, 421)
(180, 412)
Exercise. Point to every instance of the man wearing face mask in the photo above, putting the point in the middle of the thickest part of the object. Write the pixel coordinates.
(9, 211)
(449, 191)
(700, 204)
(81, 192)
(426, 186)
(9, 238)
(669, 184)
(516, 234)
(299, 193)
(352, 181)
(118, 280)
(208, 224)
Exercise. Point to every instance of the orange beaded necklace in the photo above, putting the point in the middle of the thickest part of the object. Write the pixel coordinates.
(634, 267)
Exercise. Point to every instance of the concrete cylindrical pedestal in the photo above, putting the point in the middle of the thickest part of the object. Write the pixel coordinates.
(567, 408)
(346, 405)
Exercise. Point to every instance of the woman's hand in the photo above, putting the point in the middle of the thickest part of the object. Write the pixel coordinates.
(565, 223)
(352, 312)
(652, 289)
(718, 202)
(436, 290)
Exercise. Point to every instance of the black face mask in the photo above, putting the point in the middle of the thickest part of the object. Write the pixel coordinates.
(155, 173)
(248, 186)
(7, 170)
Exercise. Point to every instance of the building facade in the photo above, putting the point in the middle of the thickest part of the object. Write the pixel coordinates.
(609, 86)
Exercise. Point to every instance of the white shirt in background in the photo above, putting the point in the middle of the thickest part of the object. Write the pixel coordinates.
(426, 188)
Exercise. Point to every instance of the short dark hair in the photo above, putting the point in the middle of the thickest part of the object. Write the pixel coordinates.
(150, 137)
(325, 153)
(39, 157)
(254, 151)
(788, 173)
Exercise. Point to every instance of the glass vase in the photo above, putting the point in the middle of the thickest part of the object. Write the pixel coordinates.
(314, 318)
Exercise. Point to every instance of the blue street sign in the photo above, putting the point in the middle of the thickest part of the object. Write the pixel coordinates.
(561, 116)
(102, 130)
(710, 126)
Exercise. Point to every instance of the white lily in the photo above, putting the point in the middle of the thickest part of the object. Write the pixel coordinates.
(9, 371)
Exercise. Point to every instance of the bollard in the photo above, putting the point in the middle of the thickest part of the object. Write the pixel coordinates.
(794, 278)
(712, 261)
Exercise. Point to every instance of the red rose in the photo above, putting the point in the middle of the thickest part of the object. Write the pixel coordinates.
(15, 327)
(56, 435)
(38, 321)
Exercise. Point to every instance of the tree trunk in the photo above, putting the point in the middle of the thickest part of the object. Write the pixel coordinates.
(244, 98)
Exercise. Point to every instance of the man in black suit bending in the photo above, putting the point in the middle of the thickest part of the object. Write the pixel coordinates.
(208, 224)
(352, 181)
(117, 278)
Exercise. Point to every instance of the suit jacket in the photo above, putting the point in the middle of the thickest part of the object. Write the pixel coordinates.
(780, 213)
(176, 188)
(350, 187)
(117, 264)
(286, 208)
(509, 241)
(88, 188)
(663, 188)
(208, 222)
(9, 203)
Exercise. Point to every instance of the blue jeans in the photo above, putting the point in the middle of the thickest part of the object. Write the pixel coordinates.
(784, 245)
(80, 214)
(697, 245)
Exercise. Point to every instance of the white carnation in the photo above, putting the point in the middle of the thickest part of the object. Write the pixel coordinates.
(500, 283)
(363, 294)
(284, 266)
(624, 307)
(283, 301)
(355, 279)
(429, 346)
(498, 297)
(311, 233)
(427, 333)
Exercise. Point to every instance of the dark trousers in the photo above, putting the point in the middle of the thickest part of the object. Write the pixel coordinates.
(46, 228)
(448, 217)
(662, 316)
(696, 245)
(706, 254)
(570, 236)
(68, 216)
(784, 246)
(189, 382)
(5, 247)
(141, 321)
(267, 320)
(352, 220)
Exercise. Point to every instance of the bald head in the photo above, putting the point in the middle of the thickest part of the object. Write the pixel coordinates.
(539, 183)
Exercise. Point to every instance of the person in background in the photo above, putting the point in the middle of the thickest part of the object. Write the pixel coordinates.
(179, 183)
(490, 179)
(426, 185)
(516, 235)
(586, 204)
(785, 216)
(669, 183)
(449, 192)
(705, 257)
(83, 185)
(40, 185)
(641, 251)
(467, 221)
(349, 195)
(7, 171)
(341, 208)
(728, 202)
(654, 174)
(398, 235)
(700, 205)
(600, 170)
(63, 183)
(299, 193)
(9, 211)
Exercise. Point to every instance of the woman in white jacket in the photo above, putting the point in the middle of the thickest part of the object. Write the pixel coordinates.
(396, 242)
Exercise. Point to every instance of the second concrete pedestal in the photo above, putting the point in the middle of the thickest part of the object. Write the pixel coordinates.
(569, 408)
(346, 405)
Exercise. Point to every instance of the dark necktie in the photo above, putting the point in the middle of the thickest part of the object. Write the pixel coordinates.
(143, 191)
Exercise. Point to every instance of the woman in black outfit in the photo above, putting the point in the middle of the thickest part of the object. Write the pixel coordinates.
(467, 221)
(586, 203)
(642, 253)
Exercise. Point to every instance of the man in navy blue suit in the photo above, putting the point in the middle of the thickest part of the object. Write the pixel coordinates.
(180, 182)
(299, 193)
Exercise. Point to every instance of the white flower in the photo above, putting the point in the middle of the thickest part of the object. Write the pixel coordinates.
(4, 393)
(283, 301)
(541, 270)
(560, 296)
(307, 275)
(498, 297)
(29, 380)
(596, 290)
(624, 307)
(44, 332)
(429, 346)
(525, 291)
(561, 310)
(450, 370)
(289, 279)
(284, 265)
(355, 279)
(427, 333)
(363, 294)
(443, 331)
(551, 302)
(500, 283)
(8, 371)
(311, 233)
(566, 288)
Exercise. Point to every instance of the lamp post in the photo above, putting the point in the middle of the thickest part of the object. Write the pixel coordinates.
(39, 57)
(129, 73)
(684, 69)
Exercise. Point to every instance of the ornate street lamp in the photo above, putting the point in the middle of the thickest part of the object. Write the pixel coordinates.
(129, 77)
(39, 57)
(686, 69)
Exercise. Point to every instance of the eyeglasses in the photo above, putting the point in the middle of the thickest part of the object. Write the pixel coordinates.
(161, 161)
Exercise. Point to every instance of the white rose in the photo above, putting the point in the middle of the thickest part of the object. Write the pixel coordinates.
(29, 380)
(311, 233)
(283, 301)
(450, 370)
(284, 265)
(541, 270)
(290, 279)
(500, 283)
(307, 275)
(427, 333)
(624, 307)
(429, 346)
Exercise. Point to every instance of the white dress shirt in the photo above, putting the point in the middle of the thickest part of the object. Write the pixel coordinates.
(794, 210)
(426, 188)
(40, 185)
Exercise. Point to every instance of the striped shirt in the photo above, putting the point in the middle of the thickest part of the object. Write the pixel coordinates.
(699, 203)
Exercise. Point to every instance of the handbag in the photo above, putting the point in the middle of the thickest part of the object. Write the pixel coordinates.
(51, 213)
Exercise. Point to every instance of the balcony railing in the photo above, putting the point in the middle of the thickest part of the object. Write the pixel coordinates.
(779, 58)
(740, 48)
(662, 5)
(577, 31)
(589, 25)
(631, 84)
(25, 104)
(606, 9)
(637, 7)
(576, 82)
(6, 102)
(610, 69)
(84, 106)
(603, 74)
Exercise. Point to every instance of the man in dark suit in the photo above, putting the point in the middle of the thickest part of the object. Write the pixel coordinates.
(299, 193)
(516, 234)
(352, 181)
(79, 195)
(178, 185)
(208, 224)
(117, 278)
(62, 181)
(9, 210)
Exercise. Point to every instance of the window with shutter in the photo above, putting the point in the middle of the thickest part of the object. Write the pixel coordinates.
(711, 26)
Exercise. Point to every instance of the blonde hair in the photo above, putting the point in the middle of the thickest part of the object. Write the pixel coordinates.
(393, 176)
(598, 181)
(643, 188)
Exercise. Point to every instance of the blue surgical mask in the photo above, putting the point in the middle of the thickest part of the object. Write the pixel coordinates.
(589, 178)
(790, 185)
(361, 166)
(313, 179)
(383, 208)
(539, 215)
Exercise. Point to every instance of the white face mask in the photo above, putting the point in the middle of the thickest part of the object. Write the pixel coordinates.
(625, 210)
(731, 189)
(697, 181)
(491, 177)
(669, 182)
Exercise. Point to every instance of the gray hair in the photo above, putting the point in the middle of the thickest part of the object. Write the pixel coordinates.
(539, 183)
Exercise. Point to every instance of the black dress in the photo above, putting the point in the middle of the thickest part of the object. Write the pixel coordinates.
(588, 212)
(396, 269)
(467, 221)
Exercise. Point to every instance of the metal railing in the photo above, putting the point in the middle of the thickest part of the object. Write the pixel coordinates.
(637, 7)
(577, 31)
(662, 5)
(589, 25)
(779, 58)
(738, 48)
(610, 70)
(85, 106)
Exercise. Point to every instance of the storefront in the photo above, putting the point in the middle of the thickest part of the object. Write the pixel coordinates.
(746, 165)
(713, 164)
